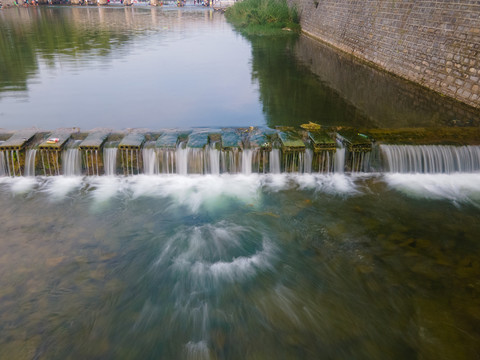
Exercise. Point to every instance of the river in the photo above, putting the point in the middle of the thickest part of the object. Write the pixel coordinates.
(235, 265)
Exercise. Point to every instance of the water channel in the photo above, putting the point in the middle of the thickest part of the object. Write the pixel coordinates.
(244, 265)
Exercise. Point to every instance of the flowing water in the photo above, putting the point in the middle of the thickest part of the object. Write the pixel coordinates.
(225, 253)
(235, 266)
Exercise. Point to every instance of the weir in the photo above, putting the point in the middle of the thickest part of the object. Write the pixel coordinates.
(321, 151)
(240, 150)
(90, 148)
(50, 149)
(12, 152)
(130, 153)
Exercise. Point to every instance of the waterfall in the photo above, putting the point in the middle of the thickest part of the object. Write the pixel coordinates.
(166, 158)
(50, 163)
(325, 164)
(150, 161)
(431, 158)
(340, 160)
(247, 155)
(72, 162)
(7, 163)
(110, 160)
(18, 162)
(293, 161)
(130, 161)
(260, 160)
(96, 161)
(181, 159)
(30, 162)
(91, 162)
(214, 159)
(230, 161)
(275, 161)
(196, 161)
(308, 161)
(3, 164)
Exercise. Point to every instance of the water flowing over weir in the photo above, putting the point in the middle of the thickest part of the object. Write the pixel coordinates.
(232, 151)
(431, 159)
(72, 160)
(30, 162)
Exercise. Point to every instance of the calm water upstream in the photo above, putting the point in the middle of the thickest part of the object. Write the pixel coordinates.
(231, 266)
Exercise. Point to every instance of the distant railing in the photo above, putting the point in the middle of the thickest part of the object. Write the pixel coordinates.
(221, 4)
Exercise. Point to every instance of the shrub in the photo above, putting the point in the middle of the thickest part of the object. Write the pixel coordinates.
(263, 16)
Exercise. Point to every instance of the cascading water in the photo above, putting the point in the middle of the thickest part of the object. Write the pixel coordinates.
(110, 160)
(214, 159)
(91, 162)
(181, 158)
(167, 160)
(197, 162)
(30, 162)
(50, 162)
(275, 161)
(3, 164)
(308, 161)
(230, 161)
(340, 160)
(324, 161)
(260, 159)
(150, 161)
(130, 161)
(293, 161)
(184, 160)
(72, 161)
(10, 163)
(431, 158)
(247, 155)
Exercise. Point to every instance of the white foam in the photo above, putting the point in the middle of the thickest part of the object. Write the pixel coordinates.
(106, 187)
(458, 187)
(195, 191)
(19, 185)
(241, 267)
(205, 253)
(57, 187)
(329, 183)
(238, 269)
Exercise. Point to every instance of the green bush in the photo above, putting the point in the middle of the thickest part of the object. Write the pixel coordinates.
(263, 16)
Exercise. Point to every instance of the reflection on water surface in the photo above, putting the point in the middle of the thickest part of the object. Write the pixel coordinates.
(168, 67)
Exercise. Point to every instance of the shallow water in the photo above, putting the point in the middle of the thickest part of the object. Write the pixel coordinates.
(234, 266)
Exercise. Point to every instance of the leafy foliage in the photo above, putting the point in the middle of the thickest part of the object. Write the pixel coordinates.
(263, 17)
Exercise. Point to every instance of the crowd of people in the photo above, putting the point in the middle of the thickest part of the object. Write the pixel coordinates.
(24, 3)
(179, 3)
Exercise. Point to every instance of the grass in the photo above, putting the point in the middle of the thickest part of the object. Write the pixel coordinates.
(263, 17)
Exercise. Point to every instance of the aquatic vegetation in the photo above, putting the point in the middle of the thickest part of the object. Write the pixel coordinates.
(263, 17)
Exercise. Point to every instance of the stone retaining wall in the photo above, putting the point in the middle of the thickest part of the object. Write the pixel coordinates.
(432, 42)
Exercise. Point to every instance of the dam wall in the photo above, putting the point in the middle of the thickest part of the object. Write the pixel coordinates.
(435, 43)
(311, 148)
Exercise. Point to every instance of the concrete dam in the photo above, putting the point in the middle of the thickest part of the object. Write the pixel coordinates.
(307, 149)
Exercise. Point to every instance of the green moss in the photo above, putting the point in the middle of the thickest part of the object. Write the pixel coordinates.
(263, 17)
